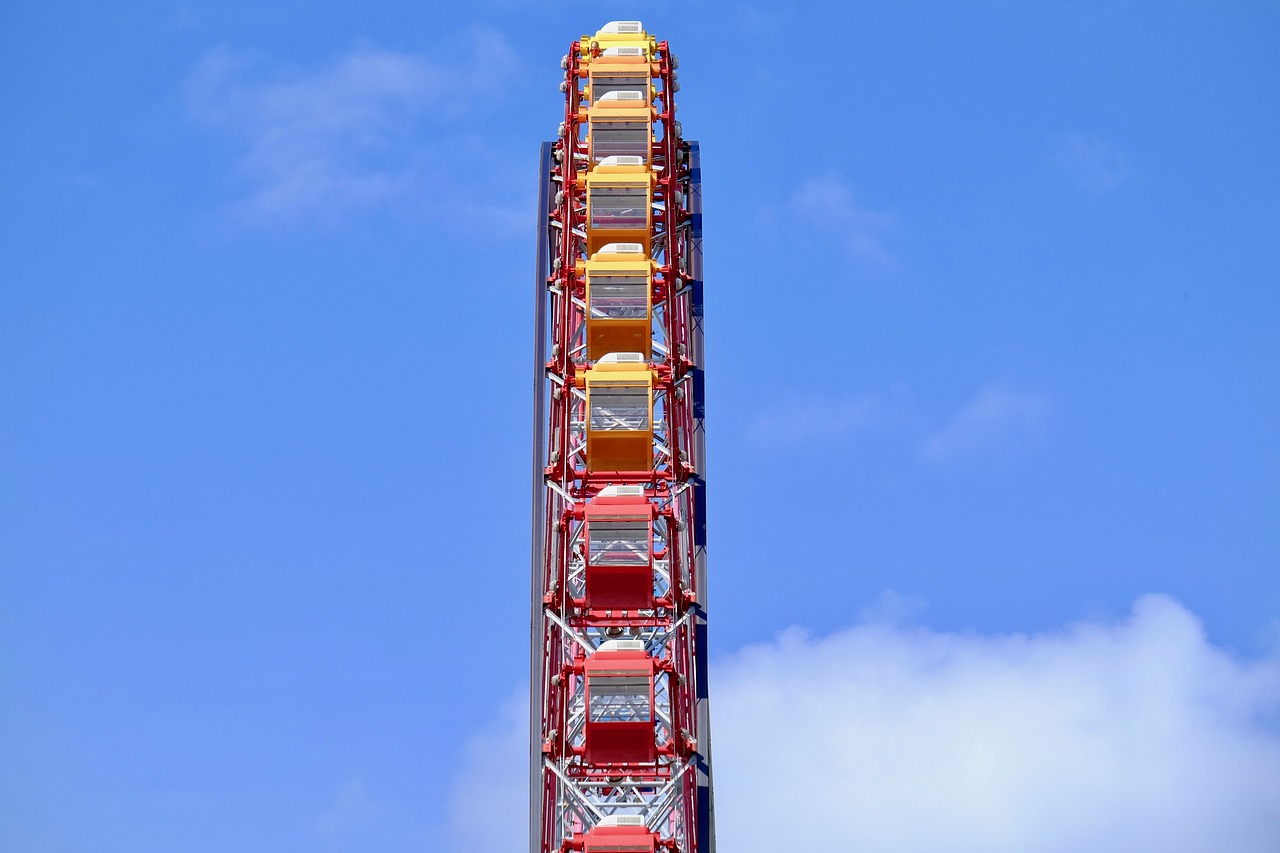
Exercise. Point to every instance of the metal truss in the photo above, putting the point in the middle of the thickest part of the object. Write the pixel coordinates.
(671, 792)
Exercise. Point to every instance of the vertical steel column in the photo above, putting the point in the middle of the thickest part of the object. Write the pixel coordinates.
(539, 508)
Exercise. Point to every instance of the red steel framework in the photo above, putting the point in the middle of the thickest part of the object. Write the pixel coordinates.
(620, 755)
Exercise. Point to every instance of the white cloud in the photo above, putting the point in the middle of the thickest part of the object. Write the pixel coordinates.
(1091, 163)
(359, 134)
(824, 206)
(1111, 738)
(1136, 736)
(995, 415)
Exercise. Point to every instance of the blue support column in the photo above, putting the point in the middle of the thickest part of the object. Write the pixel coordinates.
(706, 803)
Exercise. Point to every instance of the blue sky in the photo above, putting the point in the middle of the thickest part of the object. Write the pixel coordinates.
(992, 379)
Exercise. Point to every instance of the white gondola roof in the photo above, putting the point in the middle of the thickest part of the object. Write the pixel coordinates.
(621, 646)
(617, 28)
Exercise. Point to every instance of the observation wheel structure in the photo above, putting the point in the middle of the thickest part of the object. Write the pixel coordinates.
(620, 753)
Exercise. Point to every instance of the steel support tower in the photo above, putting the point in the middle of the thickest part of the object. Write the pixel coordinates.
(620, 737)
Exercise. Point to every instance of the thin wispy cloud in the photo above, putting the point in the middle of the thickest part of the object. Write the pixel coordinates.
(367, 131)
(80, 180)
(798, 418)
(762, 21)
(352, 807)
(824, 208)
(994, 417)
(494, 780)
(1102, 736)
(1091, 163)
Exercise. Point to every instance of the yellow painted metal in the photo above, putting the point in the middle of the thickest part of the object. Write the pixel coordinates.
(605, 71)
(616, 113)
(610, 447)
(605, 333)
(619, 205)
(619, 286)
